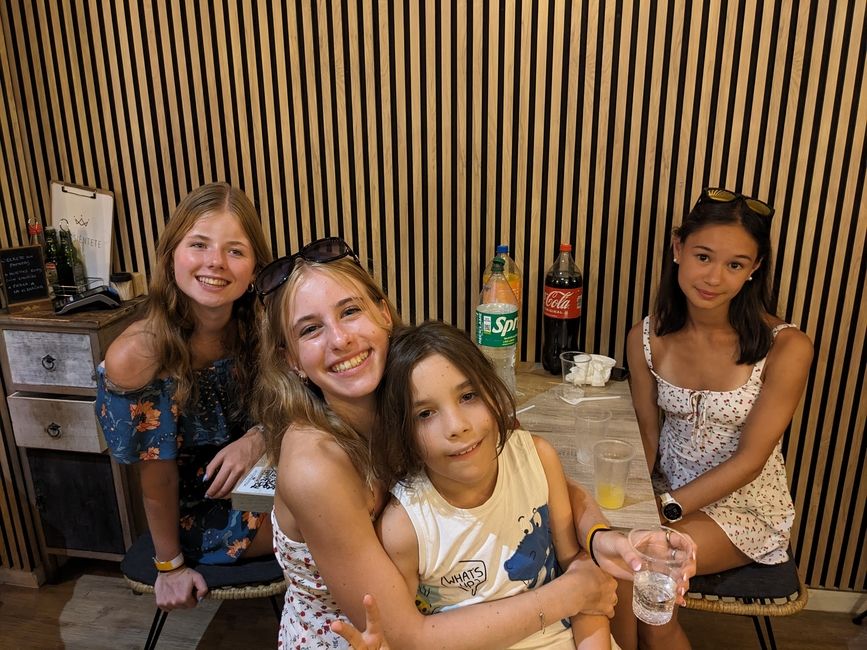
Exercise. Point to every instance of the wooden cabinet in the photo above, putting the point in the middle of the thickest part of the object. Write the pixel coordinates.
(81, 497)
(78, 509)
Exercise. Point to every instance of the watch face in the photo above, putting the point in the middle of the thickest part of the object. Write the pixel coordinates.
(672, 511)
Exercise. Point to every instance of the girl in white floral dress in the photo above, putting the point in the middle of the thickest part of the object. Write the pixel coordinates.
(726, 375)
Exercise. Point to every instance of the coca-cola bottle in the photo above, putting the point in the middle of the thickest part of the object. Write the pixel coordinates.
(561, 311)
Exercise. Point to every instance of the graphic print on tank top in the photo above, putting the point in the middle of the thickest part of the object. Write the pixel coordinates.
(534, 563)
(535, 551)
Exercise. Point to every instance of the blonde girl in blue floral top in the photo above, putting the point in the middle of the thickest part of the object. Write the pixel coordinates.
(171, 389)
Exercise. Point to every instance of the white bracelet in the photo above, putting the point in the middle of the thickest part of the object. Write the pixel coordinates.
(170, 565)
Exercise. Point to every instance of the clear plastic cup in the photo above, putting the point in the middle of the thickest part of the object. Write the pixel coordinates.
(574, 367)
(591, 425)
(664, 553)
(611, 460)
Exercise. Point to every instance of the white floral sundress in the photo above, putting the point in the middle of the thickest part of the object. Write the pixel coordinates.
(701, 430)
(308, 608)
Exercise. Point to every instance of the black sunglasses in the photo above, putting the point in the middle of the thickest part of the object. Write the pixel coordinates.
(721, 195)
(328, 249)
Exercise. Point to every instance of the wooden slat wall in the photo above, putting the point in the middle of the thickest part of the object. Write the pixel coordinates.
(20, 561)
(427, 132)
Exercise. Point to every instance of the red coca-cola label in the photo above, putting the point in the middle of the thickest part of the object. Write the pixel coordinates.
(562, 303)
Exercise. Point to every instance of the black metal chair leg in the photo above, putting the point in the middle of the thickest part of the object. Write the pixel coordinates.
(276, 605)
(770, 631)
(857, 620)
(156, 629)
(759, 632)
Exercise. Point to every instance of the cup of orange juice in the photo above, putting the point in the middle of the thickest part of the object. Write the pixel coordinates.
(611, 460)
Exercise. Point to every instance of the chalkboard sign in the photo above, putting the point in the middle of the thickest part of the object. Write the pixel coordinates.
(23, 274)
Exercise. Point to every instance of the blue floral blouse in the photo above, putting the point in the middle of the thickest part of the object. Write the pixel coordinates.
(145, 424)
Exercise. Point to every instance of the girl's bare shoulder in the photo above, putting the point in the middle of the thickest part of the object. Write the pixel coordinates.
(791, 344)
(310, 453)
(638, 327)
(313, 469)
(790, 355)
(635, 336)
(787, 334)
(131, 361)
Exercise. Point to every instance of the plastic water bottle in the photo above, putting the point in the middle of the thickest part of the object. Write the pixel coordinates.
(497, 323)
(516, 281)
(510, 270)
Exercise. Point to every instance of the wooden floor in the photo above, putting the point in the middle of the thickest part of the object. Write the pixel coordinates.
(806, 630)
(31, 619)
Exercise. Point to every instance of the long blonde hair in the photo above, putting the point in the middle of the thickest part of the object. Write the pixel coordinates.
(169, 312)
(280, 397)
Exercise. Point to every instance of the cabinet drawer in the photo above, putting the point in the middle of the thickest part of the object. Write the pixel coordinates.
(50, 358)
(67, 424)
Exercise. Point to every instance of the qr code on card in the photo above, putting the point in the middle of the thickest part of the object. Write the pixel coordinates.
(265, 481)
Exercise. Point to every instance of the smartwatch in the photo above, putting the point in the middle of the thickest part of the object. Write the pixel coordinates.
(671, 509)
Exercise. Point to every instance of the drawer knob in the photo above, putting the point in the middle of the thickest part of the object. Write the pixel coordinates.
(54, 430)
(49, 362)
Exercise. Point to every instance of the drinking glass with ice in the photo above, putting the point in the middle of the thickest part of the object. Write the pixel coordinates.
(664, 554)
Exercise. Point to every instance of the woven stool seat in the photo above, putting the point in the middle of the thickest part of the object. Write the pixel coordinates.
(259, 577)
(254, 578)
(222, 593)
(752, 590)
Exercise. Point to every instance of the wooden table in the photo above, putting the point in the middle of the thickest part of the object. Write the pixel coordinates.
(550, 417)
(540, 411)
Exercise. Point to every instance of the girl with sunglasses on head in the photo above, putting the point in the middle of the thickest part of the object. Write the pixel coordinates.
(726, 376)
(170, 390)
(325, 340)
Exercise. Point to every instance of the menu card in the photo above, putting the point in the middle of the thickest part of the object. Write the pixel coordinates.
(87, 214)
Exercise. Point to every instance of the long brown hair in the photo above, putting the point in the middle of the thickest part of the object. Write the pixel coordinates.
(281, 398)
(169, 310)
(397, 456)
(749, 309)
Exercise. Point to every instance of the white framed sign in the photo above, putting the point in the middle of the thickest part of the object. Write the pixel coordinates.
(87, 213)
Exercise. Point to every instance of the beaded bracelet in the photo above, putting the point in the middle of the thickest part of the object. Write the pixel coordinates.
(590, 535)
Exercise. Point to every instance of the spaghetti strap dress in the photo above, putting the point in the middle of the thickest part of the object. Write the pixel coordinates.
(308, 607)
(701, 429)
(146, 424)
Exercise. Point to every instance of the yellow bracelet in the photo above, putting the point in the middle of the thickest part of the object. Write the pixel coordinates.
(170, 565)
(588, 545)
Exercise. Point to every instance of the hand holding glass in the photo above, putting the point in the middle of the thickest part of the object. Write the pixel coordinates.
(664, 554)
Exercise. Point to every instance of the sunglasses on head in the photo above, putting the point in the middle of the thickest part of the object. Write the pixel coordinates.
(328, 249)
(720, 195)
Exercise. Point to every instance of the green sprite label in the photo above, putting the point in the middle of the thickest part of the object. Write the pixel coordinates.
(497, 330)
